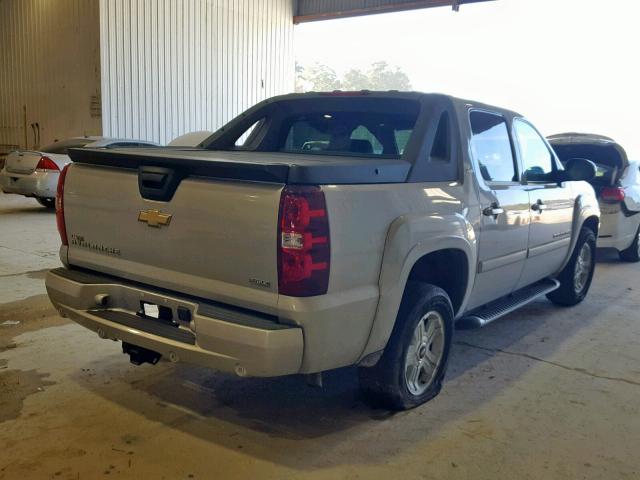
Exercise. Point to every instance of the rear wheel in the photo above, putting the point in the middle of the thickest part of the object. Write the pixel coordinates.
(575, 278)
(47, 202)
(412, 367)
(632, 254)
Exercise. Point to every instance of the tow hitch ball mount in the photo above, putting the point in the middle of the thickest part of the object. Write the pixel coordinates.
(139, 355)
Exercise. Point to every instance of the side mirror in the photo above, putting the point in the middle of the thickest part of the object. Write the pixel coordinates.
(578, 169)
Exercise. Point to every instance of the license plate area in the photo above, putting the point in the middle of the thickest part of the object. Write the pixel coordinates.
(157, 312)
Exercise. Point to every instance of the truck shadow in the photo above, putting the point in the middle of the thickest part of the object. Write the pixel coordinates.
(282, 420)
(24, 209)
(608, 255)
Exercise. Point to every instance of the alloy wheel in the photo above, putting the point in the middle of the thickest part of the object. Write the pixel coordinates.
(582, 268)
(424, 353)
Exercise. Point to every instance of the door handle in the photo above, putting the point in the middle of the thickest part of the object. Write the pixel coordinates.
(539, 206)
(493, 211)
(157, 183)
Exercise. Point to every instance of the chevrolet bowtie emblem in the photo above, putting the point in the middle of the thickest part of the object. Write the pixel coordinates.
(154, 218)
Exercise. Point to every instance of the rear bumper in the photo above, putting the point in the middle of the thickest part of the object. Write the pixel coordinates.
(36, 184)
(215, 336)
(613, 242)
(617, 230)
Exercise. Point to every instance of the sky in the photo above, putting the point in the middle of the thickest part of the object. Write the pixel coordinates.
(566, 65)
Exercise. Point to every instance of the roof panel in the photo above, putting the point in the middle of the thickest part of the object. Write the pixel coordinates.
(315, 10)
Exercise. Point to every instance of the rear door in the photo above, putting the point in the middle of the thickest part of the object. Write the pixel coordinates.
(551, 204)
(504, 229)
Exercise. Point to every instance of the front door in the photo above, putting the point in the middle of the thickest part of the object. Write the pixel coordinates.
(504, 202)
(551, 204)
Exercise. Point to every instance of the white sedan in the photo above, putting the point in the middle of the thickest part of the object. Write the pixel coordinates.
(35, 173)
(617, 185)
(191, 139)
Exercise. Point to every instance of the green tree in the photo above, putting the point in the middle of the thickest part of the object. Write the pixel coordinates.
(300, 78)
(317, 78)
(355, 79)
(380, 76)
(383, 77)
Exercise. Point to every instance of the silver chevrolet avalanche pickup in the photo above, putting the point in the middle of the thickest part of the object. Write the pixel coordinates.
(321, 230)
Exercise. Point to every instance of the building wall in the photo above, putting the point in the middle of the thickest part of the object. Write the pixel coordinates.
(49, 70)
(174, 66)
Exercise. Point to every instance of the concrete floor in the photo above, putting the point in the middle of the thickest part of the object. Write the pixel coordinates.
(542, 394)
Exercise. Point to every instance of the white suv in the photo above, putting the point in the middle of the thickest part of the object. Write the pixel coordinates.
(617, 185)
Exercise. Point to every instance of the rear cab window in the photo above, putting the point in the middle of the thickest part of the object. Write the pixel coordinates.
(351, 133)
(362, 126)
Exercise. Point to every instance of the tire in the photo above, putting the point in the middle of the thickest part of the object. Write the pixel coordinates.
(632, 254)
(47, 202)
(574, 284)
(386, 384)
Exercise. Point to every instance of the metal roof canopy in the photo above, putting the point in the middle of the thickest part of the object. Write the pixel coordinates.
(316, 10)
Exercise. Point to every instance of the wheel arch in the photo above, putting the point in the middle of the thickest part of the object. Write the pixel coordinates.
(405, 260)
(592, 223)
(586, 212)
(448, 269)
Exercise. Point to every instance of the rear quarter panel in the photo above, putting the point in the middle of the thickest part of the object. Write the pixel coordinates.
(631, 184)
(586, 206)
(377, 233)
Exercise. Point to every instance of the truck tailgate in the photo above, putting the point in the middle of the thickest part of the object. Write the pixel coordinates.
(214, 239)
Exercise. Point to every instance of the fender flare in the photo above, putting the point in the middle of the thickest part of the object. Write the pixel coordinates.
(407, 242)
(586, 206)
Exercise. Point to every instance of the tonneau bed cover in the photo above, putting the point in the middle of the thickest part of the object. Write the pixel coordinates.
(252, 166)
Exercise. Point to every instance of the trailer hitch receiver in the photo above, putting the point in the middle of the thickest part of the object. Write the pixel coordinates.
(139, 355)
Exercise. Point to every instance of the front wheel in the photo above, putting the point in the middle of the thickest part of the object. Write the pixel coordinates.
(412, 367)
(575, 278)
(632, 254)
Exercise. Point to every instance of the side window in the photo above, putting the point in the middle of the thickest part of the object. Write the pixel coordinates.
(243, 140)
(491, 147)
(537, 160)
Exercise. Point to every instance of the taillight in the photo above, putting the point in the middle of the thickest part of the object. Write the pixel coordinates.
(612, 194)
(62, 228)
(46, 163)
(303, 242)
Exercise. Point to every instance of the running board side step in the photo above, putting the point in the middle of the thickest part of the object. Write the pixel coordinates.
(498, 308)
